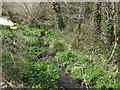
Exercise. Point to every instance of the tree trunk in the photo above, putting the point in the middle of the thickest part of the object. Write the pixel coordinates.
(110, 23)
(79, 24)
(0, 8)
(118, 31)
(97, 19)
(57, 9)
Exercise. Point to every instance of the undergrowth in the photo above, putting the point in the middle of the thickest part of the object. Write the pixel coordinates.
(26, 52)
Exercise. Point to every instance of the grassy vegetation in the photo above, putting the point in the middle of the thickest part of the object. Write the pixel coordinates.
(33, 58)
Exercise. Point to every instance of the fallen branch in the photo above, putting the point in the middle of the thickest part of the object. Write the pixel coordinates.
(112, 52)
(110, 58)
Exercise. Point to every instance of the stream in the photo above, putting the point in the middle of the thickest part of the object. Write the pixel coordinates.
(65, 81)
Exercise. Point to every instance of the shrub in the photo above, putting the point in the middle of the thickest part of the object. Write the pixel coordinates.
(39, 75)
(9, 70)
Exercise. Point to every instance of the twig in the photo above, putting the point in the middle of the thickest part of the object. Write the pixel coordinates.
(85, 80)
(112, 52)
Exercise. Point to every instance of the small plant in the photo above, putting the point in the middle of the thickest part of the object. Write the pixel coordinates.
(66, 58)
(57, 46)
(38, 51)
(53, 35)
(42, 32)
(107, 81)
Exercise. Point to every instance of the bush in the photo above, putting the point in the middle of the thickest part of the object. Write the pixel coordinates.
(39, 74)
(9, 70)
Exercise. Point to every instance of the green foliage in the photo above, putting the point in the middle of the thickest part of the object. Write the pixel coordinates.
(117, 53)
(97, 17)
(20, 53)
(66, 58)
(94, 71)
(86, 73)
(107, 81)
(3, 27)
(10, 34)
(52, 35)
(37, 51)
(60, 22)
(42, 32)
(58, 46)
(39, 74)
(110, 31)
(99, 77)
(109, 23)
(32, 41)
(22, 50)
(34, 33)
(9, 68)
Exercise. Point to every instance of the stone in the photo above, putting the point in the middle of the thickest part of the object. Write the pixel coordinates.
(6, 22)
